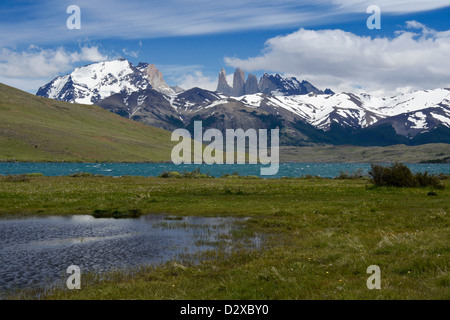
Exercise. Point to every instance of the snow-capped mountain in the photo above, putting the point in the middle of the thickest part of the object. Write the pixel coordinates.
(92, 83)
(322, 114)
(421, 110)
(306, 115)
(277, 85)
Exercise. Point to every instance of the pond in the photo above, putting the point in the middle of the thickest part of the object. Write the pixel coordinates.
(36, 252)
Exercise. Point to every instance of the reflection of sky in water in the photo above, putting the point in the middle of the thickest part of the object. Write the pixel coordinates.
(38, 250)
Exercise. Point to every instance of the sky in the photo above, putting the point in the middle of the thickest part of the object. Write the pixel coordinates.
(325, 42)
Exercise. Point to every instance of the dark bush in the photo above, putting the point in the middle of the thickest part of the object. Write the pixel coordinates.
(233, 175)
(82, 175)
(443, 176)
(426, 180)
(399, 175)
(194, 174)
(170, 174)
(117, 214)
(17, 178)
(346, 175)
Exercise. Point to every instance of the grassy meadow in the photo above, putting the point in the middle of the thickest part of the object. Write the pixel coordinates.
(320, 235)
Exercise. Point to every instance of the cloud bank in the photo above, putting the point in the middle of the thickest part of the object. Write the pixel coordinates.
(25, 69)
(44, 22)
(390, 6)
(415, 58)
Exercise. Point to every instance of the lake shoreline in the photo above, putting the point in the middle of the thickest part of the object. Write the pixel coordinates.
(431, 152)
(288, 169)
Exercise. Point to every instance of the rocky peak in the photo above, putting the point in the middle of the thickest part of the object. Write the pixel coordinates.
(156, 79)
(266, 85)
(223, 86)
(238, 83)
(286, 86)
(251, 85)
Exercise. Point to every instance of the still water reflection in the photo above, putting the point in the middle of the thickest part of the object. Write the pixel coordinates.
(36, 252)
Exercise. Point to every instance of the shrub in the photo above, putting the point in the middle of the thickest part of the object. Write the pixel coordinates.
(117, 214)
(443, 176)
(35, 174)
(17, 178)
(194, 174)
(425, 180)
(345, 175)
(399, 175)
(309, 176)
(82, 175)
(228, 176)
(238, 192)
(170, 174)
(235, 175)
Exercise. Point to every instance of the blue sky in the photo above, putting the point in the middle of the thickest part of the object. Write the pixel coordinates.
(325, 42)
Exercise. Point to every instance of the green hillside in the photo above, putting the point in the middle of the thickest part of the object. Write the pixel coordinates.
(39, 129)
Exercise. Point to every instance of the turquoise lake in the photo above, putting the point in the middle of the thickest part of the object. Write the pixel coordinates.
(326, 170)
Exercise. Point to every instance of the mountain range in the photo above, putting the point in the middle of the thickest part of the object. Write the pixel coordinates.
(305, 115)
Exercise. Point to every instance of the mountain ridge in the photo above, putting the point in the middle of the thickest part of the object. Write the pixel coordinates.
(305, 114)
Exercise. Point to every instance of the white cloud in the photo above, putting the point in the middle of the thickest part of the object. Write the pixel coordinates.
(345, 61)
(38, 63)
(27, 70)
(197, 79)
(133, 54)
(391, 6)
(187, 76)
(45, 22)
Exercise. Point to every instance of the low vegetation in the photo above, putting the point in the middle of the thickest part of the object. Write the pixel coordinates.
(195, 174)
(399, 175)
(319, 236)
(116, 214)
(354, 175)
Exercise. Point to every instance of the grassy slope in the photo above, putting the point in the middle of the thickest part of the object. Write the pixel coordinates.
(397, 153)
(39, 129)
(321, 235)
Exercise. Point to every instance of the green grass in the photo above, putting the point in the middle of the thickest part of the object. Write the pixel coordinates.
(39, 129)
(320, 236)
